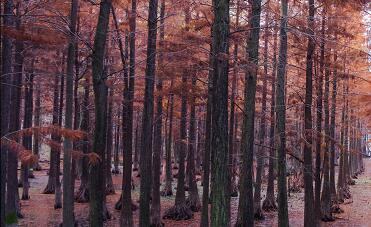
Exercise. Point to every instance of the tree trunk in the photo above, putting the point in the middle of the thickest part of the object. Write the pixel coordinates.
(68, 205)
(326, 190)
(97, 176)
(332, 130)
(168, 191)
(57, 181)
(309, 212)
(82, 194)
(220, 202)
(269, 204)
(10, 96)
(147, 123)
(207, 149)
(50, 187)
(258, 213)
(283, 219)
(245, 206)
(110, 190)
(157, 130)
(193, 200)
(27, 123)
(116, 155)
(231, 142)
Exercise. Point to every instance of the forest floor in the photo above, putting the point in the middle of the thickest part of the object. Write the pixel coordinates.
(39, 211)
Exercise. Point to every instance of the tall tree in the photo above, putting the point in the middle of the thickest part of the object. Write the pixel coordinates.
(68, 206)
(245, 206)
(220, 201)
(309, 212)
(283, 219)
(96, 177)
(258, 214)
(147, 120)
(269, 204)
(157, 131)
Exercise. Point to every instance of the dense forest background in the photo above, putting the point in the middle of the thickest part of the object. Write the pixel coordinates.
(185, 113)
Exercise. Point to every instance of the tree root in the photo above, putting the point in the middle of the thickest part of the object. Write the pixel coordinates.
(193, 202)
(110, 190)
(327, 218)
(156, 222)
(118, 205)
(49, 189)
(167, 192)
(258, 214)
(82, 195)
(178, 212)
(335, 208)
(269, 205)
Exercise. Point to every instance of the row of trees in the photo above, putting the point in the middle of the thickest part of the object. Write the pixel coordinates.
(223, 91)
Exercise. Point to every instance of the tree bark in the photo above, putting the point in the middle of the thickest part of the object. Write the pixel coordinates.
(147, 123)
(269, 204)
(157, 131)
(245, 206)
(96, 177)
(283, 220)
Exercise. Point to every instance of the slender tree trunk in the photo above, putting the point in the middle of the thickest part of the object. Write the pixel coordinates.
(157, 130)
(68, 205)
(231, 135)
(319, 79)
(168, 191)
(82, 194)
(283, 220)
(96, 177)
(116, 157)
(147, 123)
(269, 204)
(333, 130)
(27, 123)
(37, 123)
(193, 200)
(109, 182)
(207, 149)
(309, 212)
(50, 187)
(245, 206)
(258, 213)
(57, 182)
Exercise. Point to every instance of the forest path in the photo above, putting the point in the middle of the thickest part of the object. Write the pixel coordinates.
(39, 210)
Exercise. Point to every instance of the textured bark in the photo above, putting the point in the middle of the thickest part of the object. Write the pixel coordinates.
(309, 212)
(68, 205)
(326, 191)
(283, 219)
(157, 131)
(27, 123)
(269, 204)
(258, 213)
(319, 80)
(193, 200)
(231, 136)
(168, 191)
(332, 130)
(109, 144)
(57, 181)
(37, 123)
(116, 157)
(147, 121)
(96, 177)
(50, 187)
(245, 207)
(207, 149)
(82, 194)
(220, 202)
(10, 95)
